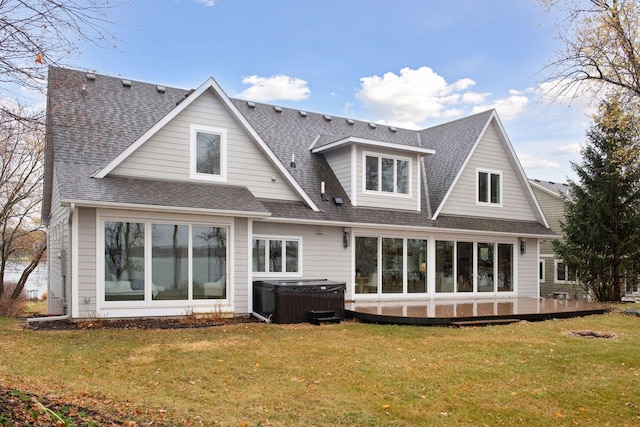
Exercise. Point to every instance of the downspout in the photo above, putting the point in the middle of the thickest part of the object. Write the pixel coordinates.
(66, 301)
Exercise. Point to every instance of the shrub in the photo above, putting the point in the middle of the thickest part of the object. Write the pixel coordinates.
(44, 296)
(12, 307)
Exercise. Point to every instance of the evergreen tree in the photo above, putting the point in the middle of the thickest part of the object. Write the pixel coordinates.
(602, 219)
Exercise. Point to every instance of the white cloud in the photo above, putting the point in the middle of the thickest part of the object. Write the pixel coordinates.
(411, 97)
(508, 108)
(207, 3)
(569, 149)
(280, 87)
(529, 161)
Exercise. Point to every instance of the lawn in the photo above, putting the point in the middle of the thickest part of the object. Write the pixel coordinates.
(351, 374)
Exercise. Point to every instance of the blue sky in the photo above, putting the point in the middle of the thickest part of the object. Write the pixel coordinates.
(411, 63)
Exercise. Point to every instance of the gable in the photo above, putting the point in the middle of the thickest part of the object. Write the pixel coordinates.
(166, 154)
(492, 154)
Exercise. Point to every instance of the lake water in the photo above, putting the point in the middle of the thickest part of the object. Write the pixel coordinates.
(37, 282)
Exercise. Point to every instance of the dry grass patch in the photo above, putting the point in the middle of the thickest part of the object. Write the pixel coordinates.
(347, 374)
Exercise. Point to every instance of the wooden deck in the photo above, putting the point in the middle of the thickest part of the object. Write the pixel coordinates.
(466, 312)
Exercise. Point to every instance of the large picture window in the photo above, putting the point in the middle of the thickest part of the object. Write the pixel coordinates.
(124, 261)
(164, 262)
(390, 265)
(474, 267)
(208, 153)
(276, 255)
(387, 174)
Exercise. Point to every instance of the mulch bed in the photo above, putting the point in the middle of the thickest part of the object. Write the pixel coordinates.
(141, 323)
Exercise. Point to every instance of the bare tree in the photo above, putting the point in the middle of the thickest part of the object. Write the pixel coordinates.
(21, 173)
(38, 33)
(600, 51)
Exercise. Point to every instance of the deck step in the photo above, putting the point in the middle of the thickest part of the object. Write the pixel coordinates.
(323, 316)
(485, 322)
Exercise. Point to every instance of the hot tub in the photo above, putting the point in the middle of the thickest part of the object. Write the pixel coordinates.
(291, 301)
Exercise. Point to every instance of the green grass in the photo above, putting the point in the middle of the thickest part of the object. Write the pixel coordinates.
(349, 374)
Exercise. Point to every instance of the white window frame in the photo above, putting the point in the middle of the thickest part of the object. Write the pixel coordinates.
(282, 273)
(395, 159)
(542, 266)
(148, 301)
(500, 198)
(194, 129)
(566, 273)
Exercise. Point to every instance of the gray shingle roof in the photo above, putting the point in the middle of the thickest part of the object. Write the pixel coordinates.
(85, 132)
(560, 189)
(92, 121)
(453, 142)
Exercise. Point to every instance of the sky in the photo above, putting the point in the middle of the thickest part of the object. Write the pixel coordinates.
(407, 63)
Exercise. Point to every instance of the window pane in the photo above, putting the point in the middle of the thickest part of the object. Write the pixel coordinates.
(485, 267)
(123, 261)
(292, 256)
(208, 153)
(417, 265)
(366, 265)
(464, 266)
(209, 263)
(259, 255)
(444, 266)
(495, 188)
(275, 256)
(483, 187)
(169, 261)
(403, 176)
(372, 173)
(392, 269)
(560, 271)
(505, 267)
(387, 175)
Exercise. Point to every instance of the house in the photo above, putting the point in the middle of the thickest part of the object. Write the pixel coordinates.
(555, 278)
(163, 201)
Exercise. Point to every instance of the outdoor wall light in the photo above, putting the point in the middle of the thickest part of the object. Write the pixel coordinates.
(346, 237)
(523, 246)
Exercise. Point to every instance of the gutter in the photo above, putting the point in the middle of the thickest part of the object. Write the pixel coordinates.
(66, 316)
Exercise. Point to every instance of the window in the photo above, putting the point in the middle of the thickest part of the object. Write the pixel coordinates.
(541, 273)
(276, 255)
(474, 267)
(562, 273)
(366, 265)
(444, 266)
(145, 260)
(417, 265)
(489, 188)
(464, 266)
(208, 153)
(387, 174)
(123, 261)
(390, 265)
(505, 267)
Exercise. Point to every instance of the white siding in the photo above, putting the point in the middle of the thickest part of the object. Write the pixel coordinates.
(166, 154)
(492, 154)
(387, 201)
(58, 252)
(323, 253)
(240, 266)
(340, 162)
(86, 298)
(528, 283)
